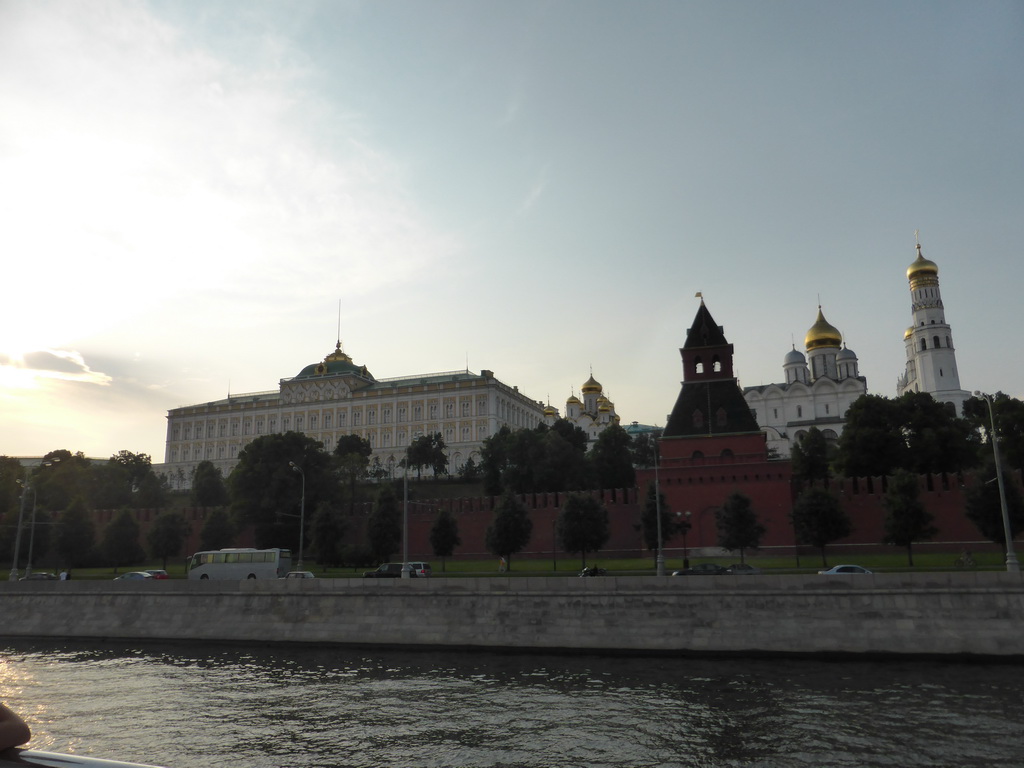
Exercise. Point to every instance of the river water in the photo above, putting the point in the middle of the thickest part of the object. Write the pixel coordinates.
(230, 706)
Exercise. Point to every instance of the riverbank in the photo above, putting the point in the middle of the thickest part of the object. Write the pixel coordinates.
(943, 614)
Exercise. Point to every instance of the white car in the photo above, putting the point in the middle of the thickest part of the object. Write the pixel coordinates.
(843, 569)
(299, 575)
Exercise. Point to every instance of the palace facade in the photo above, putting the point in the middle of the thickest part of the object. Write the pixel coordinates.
(336, 397)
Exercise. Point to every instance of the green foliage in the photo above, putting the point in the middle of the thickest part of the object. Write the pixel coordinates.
(818, 520)
(984, 508)
(582, 525)
(76, 535)
(906, 519)
(913, 432)
(327, 533)
(384, 527)
(670, 524)
(737, 524)
(61, 478)
(352, 454)
(11, 472)
(428, 451)
(266, 491)
(812, 457)
(208, 486)
(612, 459)
(218, 531)
(644, 449)
(444, 535)
(120, 544)
(167, 536)
(1008, 413)
(535, 460)
(510, 530)
(470, 470)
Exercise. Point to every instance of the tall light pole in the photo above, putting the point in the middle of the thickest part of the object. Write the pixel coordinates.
(660, 558)
(13, 576)
(32, 533)
(405, 521)
(302, 512)
(686, 530)
(1011, 556)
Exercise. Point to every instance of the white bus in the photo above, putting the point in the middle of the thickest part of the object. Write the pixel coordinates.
(240, 564)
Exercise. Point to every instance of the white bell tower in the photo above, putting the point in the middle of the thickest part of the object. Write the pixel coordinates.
(931, 357)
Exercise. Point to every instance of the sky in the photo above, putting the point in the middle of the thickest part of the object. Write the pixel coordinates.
(195, 198)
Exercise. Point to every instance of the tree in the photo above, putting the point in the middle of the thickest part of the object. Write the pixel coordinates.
(1008, 413)
(738, 527)
(121, 541)
(561, 466)
(612, 459)
(510, 530)
(218, 532)
(208, 487)
(384, 527)
(818, 520)
(76, 535)
(984, 508)
(428, 451)
(327, 533)
(871, 444)
(644, 448)
(60, 478)
(470, 470)
(812, 457)
(906, 519)
(582, 525)
(444, 535)
(913, 432)
(267, 492)
(152, 491)
(353, 456)
(649, 520)
(167, 536)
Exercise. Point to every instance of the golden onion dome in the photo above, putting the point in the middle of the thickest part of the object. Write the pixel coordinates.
(822, 334)
(922, 266)
(573, 400)
(591, 387)
(605, 407)
(551, 411)
(909, 332)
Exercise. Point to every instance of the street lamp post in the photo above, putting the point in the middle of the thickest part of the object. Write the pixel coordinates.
(31, 533)
(660, 558)
(302, 511)
(13, 576)
(1011, 556)
(405, 522)
(686, 530)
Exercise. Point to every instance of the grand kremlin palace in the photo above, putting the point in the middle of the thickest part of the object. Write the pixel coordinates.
(336, 397)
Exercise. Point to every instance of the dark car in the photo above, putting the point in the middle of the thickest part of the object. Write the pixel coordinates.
(389, 571)
(133, 576)
(743, 569)
(703, 569)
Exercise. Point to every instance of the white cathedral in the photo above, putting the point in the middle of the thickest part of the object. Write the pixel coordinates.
(593, 414)
(820, 387)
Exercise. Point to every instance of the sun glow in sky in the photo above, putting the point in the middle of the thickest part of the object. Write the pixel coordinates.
(187, 191)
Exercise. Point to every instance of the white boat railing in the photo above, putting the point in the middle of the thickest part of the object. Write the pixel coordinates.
(34, 758)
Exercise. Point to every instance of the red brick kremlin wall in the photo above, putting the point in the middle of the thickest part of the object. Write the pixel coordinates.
(698, 493)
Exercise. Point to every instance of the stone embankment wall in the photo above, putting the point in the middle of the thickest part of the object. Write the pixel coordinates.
(955, 613)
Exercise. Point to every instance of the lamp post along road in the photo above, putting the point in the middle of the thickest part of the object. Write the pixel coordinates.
(1011, 556)
(13, 576)
(660, 557)
(302, 512)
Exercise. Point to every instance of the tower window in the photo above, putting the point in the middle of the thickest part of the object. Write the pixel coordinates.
(799, 411)
(935, 342)
(924, 344)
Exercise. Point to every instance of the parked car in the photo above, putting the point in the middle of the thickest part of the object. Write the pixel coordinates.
(420, 569)
(844, 569)
(389, 571)
(299, 575)
(158, 574)
(592, 570)
(743, 569)
(132, 575)
(703, 569)
(39, 576)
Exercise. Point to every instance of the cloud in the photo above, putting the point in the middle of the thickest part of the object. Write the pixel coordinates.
(48, 364)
